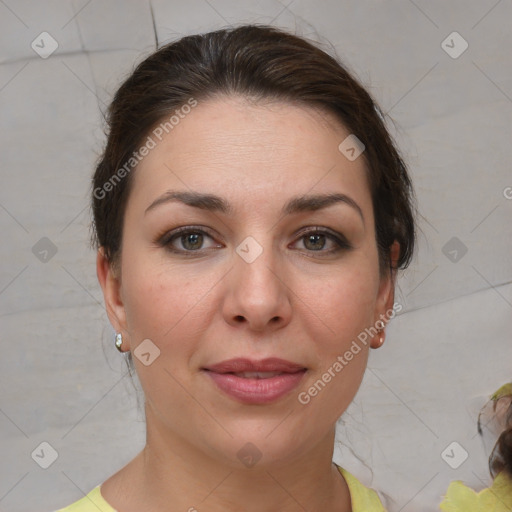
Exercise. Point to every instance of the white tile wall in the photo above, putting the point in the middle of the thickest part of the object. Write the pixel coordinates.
(451, 345)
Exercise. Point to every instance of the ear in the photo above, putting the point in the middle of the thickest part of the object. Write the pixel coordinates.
(110, 283)
(386, 295)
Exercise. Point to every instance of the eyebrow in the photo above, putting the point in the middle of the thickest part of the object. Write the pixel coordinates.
(213, 203)
(319, 201)
(208, 202)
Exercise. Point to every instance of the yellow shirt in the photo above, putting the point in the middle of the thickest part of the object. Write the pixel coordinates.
(362, 498)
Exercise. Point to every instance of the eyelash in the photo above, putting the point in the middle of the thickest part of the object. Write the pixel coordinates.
(341, 242)
(167, 239)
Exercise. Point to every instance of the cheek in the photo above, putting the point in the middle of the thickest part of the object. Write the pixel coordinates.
(164, 304)
(344, 304)
(172, 310)
(343, 307)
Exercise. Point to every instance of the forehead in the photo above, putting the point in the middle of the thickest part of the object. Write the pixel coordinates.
(264, 151)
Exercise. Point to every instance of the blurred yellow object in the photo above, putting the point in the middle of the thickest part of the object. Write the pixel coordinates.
(495, 417)
(497, 498)
(505, 390)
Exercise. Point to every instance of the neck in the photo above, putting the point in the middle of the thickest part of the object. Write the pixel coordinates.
(170, 474)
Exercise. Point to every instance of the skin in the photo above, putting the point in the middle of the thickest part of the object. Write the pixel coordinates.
(296, 301)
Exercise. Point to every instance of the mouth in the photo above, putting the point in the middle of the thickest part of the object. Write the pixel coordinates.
(256, 375)
(264, 369)
(256, 382)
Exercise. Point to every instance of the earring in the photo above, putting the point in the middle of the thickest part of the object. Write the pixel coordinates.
(381, 339)
(119, 341)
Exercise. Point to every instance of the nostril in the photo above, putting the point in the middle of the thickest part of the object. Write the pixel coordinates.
(275, 319)
(239, 318)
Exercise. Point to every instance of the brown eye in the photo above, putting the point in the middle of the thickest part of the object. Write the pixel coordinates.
(321, 241)
(314, 242)
(191, 241)
(188, 240)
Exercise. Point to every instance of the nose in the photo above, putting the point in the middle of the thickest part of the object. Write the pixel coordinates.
(257, 296)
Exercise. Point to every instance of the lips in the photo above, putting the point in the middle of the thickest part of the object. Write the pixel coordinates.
(269, 365)
(256, 382)
(257, 375)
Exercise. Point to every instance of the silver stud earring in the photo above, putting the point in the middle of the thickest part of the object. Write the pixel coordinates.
(119, 341)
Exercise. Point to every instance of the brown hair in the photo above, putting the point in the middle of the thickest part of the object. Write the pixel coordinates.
(258, 62)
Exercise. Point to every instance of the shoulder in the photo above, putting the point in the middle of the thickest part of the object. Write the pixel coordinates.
(93, 502)
(363, 499)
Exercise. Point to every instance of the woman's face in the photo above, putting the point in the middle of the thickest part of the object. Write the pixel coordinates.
(247, 234)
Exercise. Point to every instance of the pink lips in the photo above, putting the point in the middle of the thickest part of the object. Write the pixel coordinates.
(253, 389)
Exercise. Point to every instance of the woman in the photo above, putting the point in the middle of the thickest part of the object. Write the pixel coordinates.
(250, 214)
